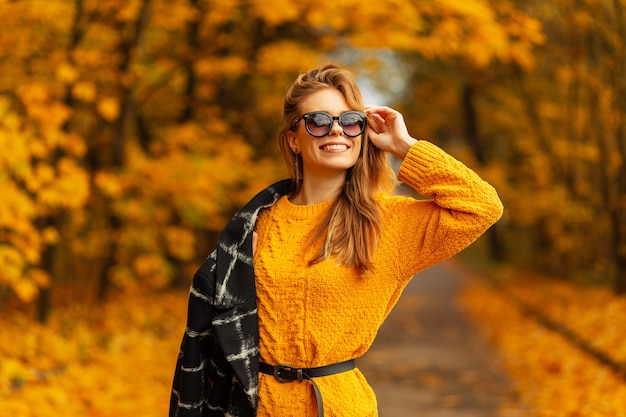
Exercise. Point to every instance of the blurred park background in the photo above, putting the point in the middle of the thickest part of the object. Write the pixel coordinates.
(131, 130)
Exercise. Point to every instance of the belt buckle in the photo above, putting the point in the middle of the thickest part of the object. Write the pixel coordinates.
(287, 369)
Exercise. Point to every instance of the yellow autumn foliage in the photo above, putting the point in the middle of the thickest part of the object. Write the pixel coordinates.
(588, 312)
(109, 108)
(271, 57)
(145, 124)
(553, 376)
(85, 361)
(84, 91)
(180, 243)
(93, 196)
(281, 11)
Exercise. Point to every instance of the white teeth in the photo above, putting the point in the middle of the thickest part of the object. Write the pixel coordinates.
(337, 147)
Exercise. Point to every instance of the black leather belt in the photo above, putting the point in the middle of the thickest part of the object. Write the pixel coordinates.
(286, 373)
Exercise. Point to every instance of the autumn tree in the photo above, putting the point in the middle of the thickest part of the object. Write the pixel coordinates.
(573, 105)
(134, 129)
(450, 91)
(43, 181)
(547, 128)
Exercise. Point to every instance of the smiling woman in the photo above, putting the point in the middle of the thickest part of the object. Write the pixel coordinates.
(322, 145)
(306, 273)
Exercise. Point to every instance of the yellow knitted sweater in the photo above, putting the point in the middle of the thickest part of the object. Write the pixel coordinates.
(318, 315)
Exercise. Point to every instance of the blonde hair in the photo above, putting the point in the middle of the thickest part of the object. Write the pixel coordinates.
(353, 226)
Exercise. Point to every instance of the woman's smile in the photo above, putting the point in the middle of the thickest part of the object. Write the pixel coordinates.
(335, 147)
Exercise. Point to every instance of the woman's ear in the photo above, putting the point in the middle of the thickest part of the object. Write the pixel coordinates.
(292, 140)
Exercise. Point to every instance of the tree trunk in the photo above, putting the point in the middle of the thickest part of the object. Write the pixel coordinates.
(497, 248)
(619, 14)
(49, 255)
(120, 136)
(47, 264)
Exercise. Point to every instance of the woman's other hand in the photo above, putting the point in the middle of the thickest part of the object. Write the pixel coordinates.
(387, 130)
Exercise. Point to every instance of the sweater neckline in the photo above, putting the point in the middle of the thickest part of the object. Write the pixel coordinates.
(307, 211)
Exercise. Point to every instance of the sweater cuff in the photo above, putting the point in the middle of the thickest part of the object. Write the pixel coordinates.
(421, 158)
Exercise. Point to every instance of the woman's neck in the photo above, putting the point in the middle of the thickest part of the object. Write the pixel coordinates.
(315, 190)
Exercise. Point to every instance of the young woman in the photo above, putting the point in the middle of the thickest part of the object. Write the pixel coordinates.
(307, 272)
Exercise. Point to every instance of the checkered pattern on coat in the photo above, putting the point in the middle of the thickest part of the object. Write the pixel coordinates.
(218, 363)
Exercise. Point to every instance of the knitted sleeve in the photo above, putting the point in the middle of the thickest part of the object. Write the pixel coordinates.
(459, 207)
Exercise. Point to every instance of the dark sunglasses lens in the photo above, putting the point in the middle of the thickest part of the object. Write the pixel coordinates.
(318, 124)
(352, 123)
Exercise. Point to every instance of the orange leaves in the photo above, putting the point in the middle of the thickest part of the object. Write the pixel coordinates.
(84, 91)
(70, 188)
(383, 24)
(87, 361)
(109, 108)
(67, 73)
(128, 137)
(36, 181)
(180, 243)
(491, 31)
(190, 179)
(16, 275)
(477, 31)
(470, 27)
(15, 206)
(152, 271)
(279, 12)
(27, 285)
(567, 144)
(12, 264)
(170, 15)
(42, 109)
(271, 57)
(108, 184)
(129, 10)
(230, 66)
(554, 377)
(20, 242)
(593, 314)
(199, 174)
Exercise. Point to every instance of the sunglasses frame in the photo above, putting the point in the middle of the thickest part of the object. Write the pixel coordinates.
(306, 116)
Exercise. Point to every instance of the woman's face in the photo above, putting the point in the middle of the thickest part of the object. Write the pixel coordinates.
(330, 154)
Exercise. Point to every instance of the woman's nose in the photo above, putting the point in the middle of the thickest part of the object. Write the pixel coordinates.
(336, 128)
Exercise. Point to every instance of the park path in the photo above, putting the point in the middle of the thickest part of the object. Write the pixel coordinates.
(430, 361)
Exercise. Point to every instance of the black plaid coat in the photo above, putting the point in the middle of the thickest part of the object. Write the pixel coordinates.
(217, 369)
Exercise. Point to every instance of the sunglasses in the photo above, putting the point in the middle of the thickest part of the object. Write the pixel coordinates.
(319, 123)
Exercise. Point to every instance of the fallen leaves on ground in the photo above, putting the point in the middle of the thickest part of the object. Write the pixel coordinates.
(555, 378)
(110, 360)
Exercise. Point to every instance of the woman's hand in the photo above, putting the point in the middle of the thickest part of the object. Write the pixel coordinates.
(387, 130)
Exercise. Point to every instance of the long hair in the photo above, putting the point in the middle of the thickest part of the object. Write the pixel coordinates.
(353, 226)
